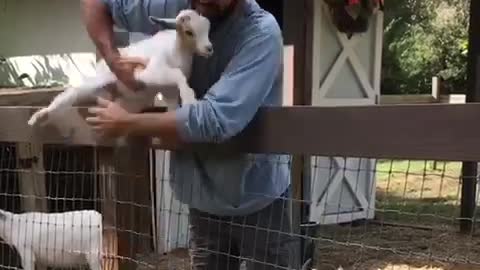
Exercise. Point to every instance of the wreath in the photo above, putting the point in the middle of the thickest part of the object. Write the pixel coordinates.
(353, 16)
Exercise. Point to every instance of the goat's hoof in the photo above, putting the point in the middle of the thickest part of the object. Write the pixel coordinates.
(40, 117)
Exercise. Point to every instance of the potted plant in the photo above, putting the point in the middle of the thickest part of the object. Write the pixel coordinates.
(353, 16)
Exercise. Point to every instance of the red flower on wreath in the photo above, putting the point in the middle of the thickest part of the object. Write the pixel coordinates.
(353, 16)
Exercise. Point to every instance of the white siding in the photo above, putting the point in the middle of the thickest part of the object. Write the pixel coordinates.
(45, 39)
(345, 72)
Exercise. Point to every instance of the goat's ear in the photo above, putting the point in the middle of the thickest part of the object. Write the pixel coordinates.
(164, 22)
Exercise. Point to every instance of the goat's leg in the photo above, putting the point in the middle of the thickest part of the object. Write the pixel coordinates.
(94, 261)
(28, 259)
(167, 77)
(71, 95)
(187, 94)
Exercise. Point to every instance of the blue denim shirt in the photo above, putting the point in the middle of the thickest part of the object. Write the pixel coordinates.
(245, 73)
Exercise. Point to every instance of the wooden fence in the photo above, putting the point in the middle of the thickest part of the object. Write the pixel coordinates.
(430, 131)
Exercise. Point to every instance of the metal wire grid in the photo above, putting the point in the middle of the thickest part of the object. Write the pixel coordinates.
(415, 223)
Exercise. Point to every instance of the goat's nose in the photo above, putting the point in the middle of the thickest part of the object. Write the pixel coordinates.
(209, 48)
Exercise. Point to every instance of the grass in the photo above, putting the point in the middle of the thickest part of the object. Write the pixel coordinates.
(415, 191)
(412, 193)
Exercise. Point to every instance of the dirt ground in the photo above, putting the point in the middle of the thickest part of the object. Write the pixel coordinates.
(178, 259)
(413, 194)
(377, 247)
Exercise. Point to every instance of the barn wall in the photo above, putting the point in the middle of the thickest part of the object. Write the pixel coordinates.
(345, 72)
(46, 40)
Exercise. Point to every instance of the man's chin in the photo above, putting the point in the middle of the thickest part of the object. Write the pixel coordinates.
(211, 15)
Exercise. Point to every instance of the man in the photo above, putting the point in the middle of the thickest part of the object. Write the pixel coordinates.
(237, 201)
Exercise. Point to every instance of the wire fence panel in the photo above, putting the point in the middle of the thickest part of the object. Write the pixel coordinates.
(71, 206)
(359, 213)
(416, 223)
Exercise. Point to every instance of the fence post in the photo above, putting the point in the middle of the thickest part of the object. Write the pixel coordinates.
(31, 178)
(436, 89)
(133, 191)
(107, 183)
(469, 169)
(436, 98)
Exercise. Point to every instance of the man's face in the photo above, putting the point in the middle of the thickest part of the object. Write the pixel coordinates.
(213, 9)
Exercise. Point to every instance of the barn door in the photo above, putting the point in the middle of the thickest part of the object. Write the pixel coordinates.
(345, 72)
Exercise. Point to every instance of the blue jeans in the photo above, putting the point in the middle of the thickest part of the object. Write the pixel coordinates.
(222, 243)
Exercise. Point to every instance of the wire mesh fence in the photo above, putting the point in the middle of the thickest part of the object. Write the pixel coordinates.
(356, 214)
(416, 221)
(60, 205)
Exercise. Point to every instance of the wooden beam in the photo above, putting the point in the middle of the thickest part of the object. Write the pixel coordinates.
(433, 131)
(31, 177)
(28, 97)
(407, 99)
(106, 180)
(134, 213)
(420, 99)
(297, 32)
(430, 131)
(469, 169)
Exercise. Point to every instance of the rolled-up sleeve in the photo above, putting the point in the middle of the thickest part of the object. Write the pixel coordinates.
(132, 15)
(231, 103)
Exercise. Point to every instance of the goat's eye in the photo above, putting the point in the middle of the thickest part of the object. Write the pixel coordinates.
(188, 32)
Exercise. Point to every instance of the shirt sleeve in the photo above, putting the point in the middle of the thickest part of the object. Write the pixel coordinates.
(231, 103)
(132, 15)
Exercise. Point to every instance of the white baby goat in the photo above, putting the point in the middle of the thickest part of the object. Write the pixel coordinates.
(69, 239)
(169, 53)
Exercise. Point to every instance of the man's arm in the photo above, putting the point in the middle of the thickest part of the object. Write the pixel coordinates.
(99, 25)
(132, 15)
(99, 21)
(231, 102)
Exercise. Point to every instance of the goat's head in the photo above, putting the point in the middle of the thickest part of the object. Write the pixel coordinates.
(192, 28)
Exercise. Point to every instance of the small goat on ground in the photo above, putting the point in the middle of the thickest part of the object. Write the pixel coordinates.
(69, 239)
(169, 54)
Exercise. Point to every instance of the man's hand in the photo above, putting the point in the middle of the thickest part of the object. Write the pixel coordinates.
(124, 68)
(99, 24)
(109, 119)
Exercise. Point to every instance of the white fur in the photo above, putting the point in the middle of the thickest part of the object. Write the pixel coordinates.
(170, 54)
(69, 239)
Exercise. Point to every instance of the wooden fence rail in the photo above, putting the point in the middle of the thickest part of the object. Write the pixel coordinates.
(430, 131)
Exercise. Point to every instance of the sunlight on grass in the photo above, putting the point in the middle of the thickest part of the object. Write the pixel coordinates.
(407, 267)
(416, 191)
(400, 168)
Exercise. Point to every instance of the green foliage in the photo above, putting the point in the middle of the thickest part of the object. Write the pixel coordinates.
(425, 38)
